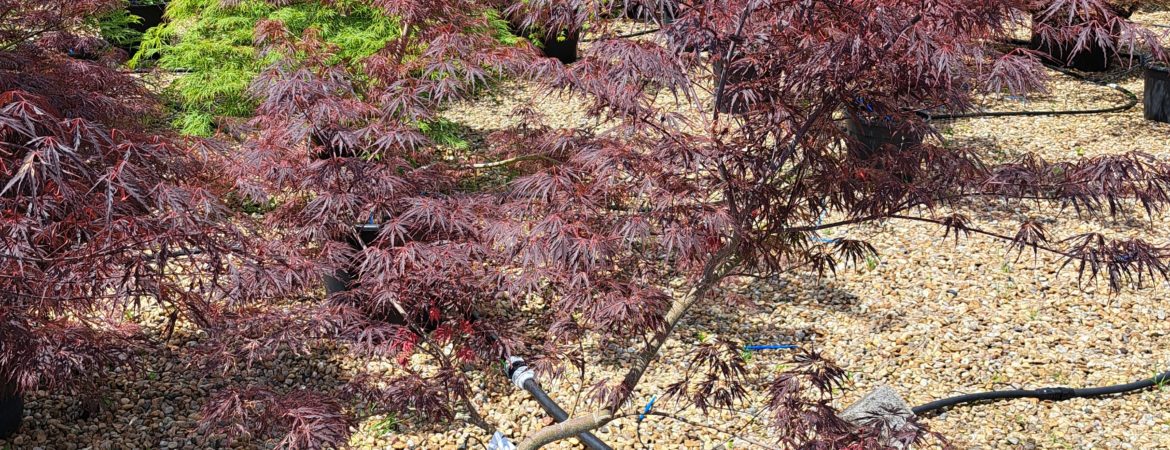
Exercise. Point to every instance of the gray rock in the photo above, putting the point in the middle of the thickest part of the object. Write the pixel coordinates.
(885, 405)
(881, 402)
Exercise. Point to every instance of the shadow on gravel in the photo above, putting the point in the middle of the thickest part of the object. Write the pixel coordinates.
(158, 404)
(752, 312)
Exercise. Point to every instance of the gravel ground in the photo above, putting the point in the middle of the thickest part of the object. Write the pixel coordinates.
(931, 319)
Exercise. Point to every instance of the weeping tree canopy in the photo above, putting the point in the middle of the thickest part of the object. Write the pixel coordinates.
(723, 152)
(97, 202)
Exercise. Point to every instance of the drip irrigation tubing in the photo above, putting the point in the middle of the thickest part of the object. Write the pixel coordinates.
(524, 378)
(1050, 393)
(1131, 100)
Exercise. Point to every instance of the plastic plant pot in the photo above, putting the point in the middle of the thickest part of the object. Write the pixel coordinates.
(151, 12)
(872, 137)
(1094, 58)
(563, 48)
(343, 280)
(11, 410)
(686, 35)
(1157, 93)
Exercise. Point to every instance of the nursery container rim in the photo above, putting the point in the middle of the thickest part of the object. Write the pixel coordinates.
(1158, 66)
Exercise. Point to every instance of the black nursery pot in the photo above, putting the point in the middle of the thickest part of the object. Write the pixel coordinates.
(343, 280)
(1157, 93)
(151, 14)
(875, 136)
(1092, 59)
(11, 410)
(686, 35)
(563, 49)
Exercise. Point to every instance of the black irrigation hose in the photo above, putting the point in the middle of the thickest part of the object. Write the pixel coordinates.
(560, 415)
(1132, 99)
(521, 375)
(1050, 393)
(1130, 103)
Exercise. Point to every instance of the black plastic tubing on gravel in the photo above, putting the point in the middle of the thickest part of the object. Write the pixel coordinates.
(1049, 393)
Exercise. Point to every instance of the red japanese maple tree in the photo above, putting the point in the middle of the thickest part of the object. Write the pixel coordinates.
(726, 142)
(100, 210)
(682, 189)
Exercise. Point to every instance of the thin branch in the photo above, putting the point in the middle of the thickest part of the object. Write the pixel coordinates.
(987, 233)
(493, 164)
(500, 163)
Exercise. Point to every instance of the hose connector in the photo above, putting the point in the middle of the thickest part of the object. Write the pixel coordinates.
(519, 372)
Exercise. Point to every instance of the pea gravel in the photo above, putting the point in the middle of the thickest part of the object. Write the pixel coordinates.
(931, 318)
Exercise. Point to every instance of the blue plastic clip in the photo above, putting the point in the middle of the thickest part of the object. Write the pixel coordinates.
(820, 220)
(647, 409)
(756, 348)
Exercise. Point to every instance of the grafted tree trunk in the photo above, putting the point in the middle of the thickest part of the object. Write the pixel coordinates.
(714, 270)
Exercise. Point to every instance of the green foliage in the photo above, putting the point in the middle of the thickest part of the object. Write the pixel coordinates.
(116, 28)
(213, 44)
(501, 30)
(385, 425)
(446, 133)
